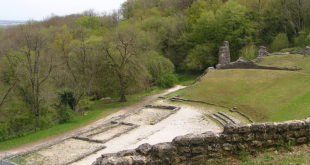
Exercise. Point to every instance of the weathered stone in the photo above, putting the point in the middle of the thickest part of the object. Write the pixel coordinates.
(301, 140)
(296, 125)
(182, 140)
(126, 153)
(257, 143)
(227, 147)
(144, 148)
(224, 54)
(194, 149)
(138, 160)
(230, 128)
(262, 51)
(258, 127)
(210, 137)
(244, 128)
(198, 150)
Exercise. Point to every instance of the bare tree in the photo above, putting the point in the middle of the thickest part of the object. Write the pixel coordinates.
(35, 66)
(122, 50)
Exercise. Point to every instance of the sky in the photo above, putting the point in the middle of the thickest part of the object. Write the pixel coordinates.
(40, 9)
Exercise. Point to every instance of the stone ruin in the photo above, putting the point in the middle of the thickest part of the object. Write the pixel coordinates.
(305, 51)
(224, 54)
(262, 51)
(197, 148)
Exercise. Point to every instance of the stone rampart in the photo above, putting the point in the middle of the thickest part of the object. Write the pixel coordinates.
(196, 149)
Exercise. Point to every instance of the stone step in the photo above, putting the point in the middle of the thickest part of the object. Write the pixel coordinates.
(231, 119)
(226, 121)
(218, 119)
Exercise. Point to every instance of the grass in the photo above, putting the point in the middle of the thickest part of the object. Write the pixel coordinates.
(299, 155)
(186, 78)
(264, 95)
(98, 110)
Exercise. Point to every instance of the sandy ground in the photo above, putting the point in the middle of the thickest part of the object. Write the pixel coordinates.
(111, 132)
(147, 116)
(125, 110)
(61, 153)
(188, 119)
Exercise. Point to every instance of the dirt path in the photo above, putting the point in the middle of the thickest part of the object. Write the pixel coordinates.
(188, 119)
(122, 111)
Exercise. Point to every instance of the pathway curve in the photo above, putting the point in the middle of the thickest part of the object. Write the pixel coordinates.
(55, 139)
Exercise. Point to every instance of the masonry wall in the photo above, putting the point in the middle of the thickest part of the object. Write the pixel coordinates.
(195, 149)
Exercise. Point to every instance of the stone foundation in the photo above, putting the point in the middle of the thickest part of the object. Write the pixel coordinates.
(196, 149)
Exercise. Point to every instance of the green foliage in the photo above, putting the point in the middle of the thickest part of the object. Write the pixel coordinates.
(67, 98)
(65, 114)
(280, 42)
(249, 52)
(200, 57)
(158, 65)
(90, 22)
(303, 38)
(166, 80)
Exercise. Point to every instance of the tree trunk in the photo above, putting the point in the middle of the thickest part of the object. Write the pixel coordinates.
(123, 86)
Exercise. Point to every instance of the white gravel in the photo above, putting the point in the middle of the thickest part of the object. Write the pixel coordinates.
(147, 116)
(188, 119)
(61, 153)
(111, 133)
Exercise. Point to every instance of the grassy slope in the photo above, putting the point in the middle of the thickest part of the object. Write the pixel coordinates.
(284, 156)
(99, 110)
(264, 95)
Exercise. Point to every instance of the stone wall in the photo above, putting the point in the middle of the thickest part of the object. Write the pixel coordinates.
(195, 149)
(244, 64)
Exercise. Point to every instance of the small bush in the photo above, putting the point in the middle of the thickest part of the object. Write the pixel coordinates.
(249, 52)
(166, 80)
(67, 98)
(280, 42)
(303, 38)
(65, 114)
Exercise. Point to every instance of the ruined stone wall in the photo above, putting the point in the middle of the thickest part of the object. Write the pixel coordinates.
(195, 149)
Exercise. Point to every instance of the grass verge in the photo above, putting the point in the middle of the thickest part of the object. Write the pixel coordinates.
(98, 110)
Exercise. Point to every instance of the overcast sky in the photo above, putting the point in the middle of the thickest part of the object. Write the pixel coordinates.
(39, 9)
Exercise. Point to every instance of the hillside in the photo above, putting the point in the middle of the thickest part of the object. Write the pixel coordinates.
(264, 95)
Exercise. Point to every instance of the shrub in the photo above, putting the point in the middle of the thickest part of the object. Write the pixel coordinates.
(303, 38)
(65, 114)
(280, 42)
(67, 98)
(166, 80)
(249, 52)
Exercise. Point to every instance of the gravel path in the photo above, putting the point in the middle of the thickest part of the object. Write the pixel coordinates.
(124, 110)
(188, 119)
(61, 153)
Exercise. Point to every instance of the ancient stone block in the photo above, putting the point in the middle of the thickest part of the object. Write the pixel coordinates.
(296, 124)
(258, 127)
(262, 51)
(244, 129)
(227, 147)
(301, 140)
(230, 128)
(144, 148)
(224, 54)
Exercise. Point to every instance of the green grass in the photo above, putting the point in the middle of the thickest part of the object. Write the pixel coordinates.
(186, 79)
(299, 155)
(98, 110)
(264, 95)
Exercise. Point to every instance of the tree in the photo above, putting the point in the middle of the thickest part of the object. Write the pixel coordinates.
(34, 67)
(123, 49)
